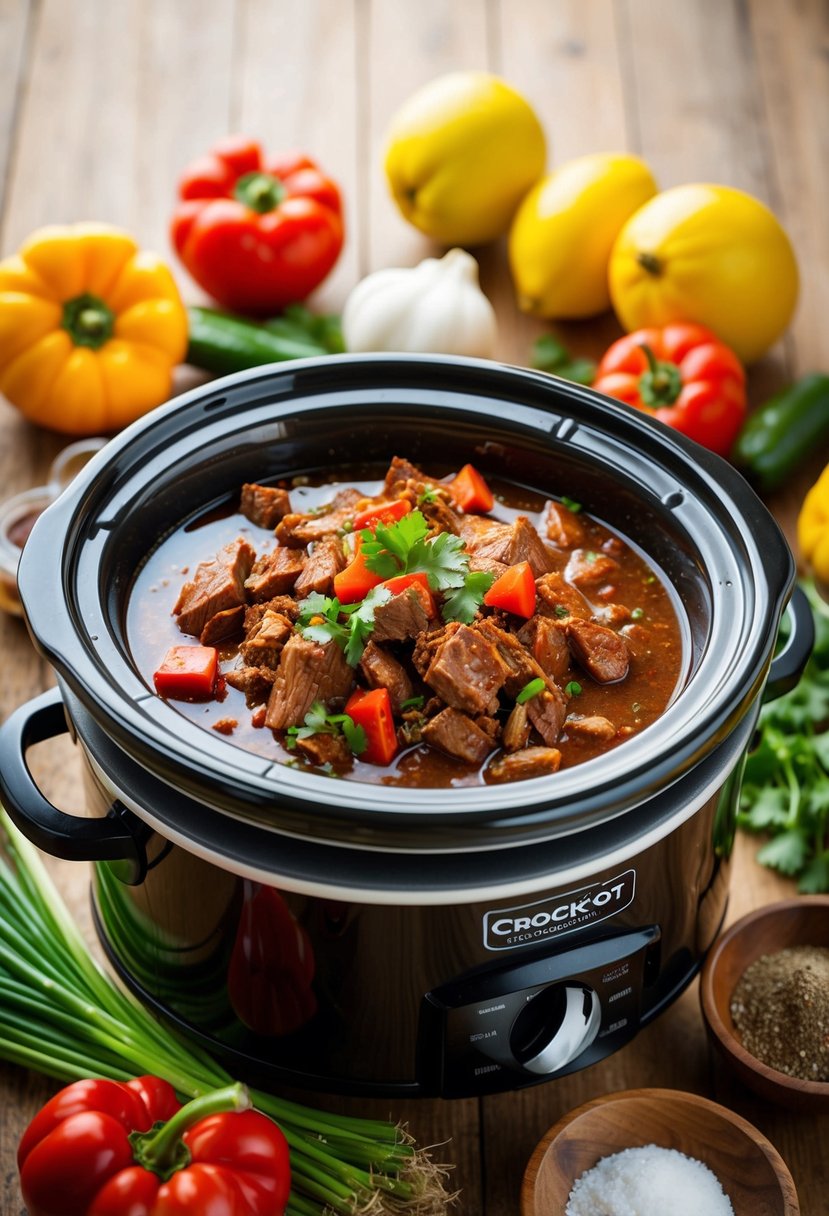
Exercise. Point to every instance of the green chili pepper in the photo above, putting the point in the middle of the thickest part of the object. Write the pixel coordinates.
(220, 342)
(782, 433)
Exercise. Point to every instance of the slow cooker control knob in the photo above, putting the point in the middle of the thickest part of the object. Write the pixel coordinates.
(557, 1025)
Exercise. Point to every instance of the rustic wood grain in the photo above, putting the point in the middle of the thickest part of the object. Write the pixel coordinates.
(102, 104)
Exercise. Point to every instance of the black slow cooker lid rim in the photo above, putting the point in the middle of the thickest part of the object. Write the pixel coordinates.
(132, 729)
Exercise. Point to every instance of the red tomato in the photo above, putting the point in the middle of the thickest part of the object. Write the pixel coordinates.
(382, 513)
(257, 232)
(514, 591)
(188, 673)
(684, 376)
(470, 491)
(372, 710)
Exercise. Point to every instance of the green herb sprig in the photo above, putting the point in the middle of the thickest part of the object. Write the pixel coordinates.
(319, 621)
(319, 722)
(785, 790)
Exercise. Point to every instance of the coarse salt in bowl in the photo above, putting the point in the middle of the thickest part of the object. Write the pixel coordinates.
(743, 1165)
(647, 1180)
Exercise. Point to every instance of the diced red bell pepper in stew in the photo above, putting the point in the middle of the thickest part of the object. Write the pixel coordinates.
(401, 581)
(382, 513)
(514, 591)
(372, 711)
(355, 582)
(470, 491)
(188, 673)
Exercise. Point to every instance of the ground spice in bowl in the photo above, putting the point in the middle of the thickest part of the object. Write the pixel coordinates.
(780, 1009)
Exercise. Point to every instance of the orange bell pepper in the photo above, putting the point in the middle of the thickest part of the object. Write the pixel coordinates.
(514, 591)
(372, 710)
(90, 329)
(470, 491)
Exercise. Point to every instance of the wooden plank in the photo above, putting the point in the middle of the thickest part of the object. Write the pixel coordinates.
(296, 86)
(16, 20)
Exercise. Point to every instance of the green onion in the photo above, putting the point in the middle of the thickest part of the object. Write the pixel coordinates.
(413, 702)
(530, 690)
(637, 614)
(573, 689)
(570, 504)
(61, 1014)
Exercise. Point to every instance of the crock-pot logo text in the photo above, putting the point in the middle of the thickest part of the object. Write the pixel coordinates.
(558, 914)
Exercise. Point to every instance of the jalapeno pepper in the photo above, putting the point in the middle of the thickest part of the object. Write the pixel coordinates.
(782, 433)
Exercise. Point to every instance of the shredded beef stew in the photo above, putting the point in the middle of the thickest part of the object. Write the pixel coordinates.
(395, 632)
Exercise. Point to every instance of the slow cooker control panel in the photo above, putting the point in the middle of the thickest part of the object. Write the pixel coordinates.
(538, 1018)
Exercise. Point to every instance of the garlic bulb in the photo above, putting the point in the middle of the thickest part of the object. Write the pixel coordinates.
(436, 307)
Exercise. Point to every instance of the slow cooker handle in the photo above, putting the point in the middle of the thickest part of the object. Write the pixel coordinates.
(118, 836)
(787, 666)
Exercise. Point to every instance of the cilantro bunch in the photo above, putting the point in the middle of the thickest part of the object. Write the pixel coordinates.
(405, 547)
(785, 790)
(319, 620)
(319, 722)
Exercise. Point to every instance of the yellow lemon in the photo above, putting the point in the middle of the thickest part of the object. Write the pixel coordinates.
(563, 232)
(460, 155)
(710, 254)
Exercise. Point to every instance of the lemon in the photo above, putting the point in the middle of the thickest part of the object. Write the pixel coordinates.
(710, 254)
(460, 155)
(563, 232)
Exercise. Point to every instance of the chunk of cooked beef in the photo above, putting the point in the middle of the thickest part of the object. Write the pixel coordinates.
(520, 664)
(478, 530)
(399, 472)
(593, 726)
(529, 762)
(514, 543)
(559, 600)
(454, 733)
(274, 573)
(467, 671)
(225, 726)
(589, 568)
(325, 560)
(225, 624)
(487, 564)
(404, 616)
(434, 503)
(517, 729)
(547, 645)
(307, 672)
(638, 639)
(612, 615)
(264, 505)
(298, 530)
(428, 642)
(382, 670)
(602, 653)
(326, 749)
(547, 711)
(255, 682)
(562, 526)
(217, 585)
(284, 604)
(264, 641)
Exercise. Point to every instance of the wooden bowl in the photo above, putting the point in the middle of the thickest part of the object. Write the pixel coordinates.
(750, 1170)
(803, 921)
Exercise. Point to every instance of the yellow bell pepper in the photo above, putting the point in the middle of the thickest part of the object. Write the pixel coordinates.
(91, 328)
(813, 527)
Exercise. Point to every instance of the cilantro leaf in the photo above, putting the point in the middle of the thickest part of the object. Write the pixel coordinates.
(814, 879)
(318, 721)
(465, 601)
(405, 547)
(443, 560)
(361, 624)
(786, 852)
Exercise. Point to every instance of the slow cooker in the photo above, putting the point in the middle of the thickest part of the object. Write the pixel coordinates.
(363, 939)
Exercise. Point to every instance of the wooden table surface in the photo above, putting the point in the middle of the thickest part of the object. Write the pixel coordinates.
(103, 101)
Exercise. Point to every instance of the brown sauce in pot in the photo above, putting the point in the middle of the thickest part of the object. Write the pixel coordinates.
(627, 595)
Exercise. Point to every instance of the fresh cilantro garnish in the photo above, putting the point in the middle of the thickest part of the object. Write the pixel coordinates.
(570, 504)
(531, 690)
(319, 722)
(573, 689)
(465, 601)
(785, 793)
(319, 621)
(549, 354)
(413, 703)
(430, 494)
(405, 547)
(561, 612)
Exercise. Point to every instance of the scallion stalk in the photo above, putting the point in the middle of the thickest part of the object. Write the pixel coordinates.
(61, 1014)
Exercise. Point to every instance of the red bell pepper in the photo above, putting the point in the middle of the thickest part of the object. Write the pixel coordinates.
(109, 1148)
(188, 673)
(271, 966)
(354, 582)
(372, 710)
(470, 491)
(514, 591)
(684, 376)
(257, 232)
(382, 513)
